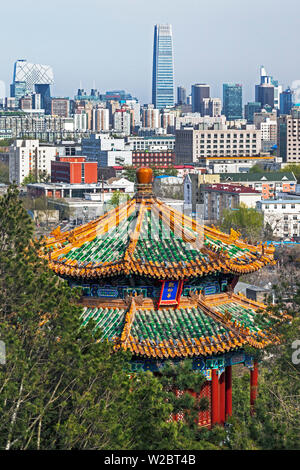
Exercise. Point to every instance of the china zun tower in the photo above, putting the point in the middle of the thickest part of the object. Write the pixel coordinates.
(163, 67)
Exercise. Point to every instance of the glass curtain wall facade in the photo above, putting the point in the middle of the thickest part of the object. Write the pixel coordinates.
(163, 67)
(286, 101)
(232, 101)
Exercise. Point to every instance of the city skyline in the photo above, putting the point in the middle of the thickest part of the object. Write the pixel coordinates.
(232, 54)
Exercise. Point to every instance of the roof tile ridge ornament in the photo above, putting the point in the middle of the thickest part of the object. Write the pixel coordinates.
(80, 235)
(134, 236)
(57, 233)
(178, 216)
(235, 327)
(129, 319)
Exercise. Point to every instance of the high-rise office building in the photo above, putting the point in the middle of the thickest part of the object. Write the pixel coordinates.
(200, 91)
(269, 80)
(18, 90)
(32, 74)
(27, 77)
(32, 78)
(265, 95)
(36, 101)
(277, 93)
(268, 91)
(163, 67)
(232, 101)
(181, 95)
(288, 136)
(286, 101)
(250, 109)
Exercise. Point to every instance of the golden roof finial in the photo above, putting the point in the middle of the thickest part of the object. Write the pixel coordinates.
(144, 176)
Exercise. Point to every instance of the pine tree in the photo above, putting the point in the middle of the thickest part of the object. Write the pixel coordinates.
(276, 423)
(62, 388)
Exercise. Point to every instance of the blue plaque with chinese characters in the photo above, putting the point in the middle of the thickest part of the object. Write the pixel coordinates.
(170, 292)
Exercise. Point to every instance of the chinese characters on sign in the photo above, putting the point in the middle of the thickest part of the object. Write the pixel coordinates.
(170, 293)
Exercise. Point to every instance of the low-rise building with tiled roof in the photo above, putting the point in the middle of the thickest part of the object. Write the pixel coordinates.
(215, 198)
(269, 183)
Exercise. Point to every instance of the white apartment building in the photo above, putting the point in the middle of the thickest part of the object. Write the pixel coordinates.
(269, 130)
(194, 119)
(168, 122)
(283, 215)
(231, 165)
(135, 108)
(80, 122)
(151, 117)
(293, 136)
(122, 120)
(212, 107)
(193, 145)
(100, 119)
(151, 142)
(28, 157)
(106, 150)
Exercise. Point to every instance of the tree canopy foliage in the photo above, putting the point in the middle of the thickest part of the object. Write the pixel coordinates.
(61, 388)
(117, 198)
(276, 424)
(4, 173)
(248, 221)
(293, 167)
(40, 177)
(258, 168)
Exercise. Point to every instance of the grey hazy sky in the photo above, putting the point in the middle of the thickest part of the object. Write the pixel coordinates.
(111, 43)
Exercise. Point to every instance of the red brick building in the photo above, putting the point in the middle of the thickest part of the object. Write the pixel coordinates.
(154, 158)
(74, 170)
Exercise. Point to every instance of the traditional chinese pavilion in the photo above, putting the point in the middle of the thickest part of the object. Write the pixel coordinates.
(159, 284)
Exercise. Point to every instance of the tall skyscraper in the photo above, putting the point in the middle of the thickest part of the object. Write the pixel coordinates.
(31, 78)
(268, 91)
(265, 95)
(232, 101)
(181, 95)
(286, 101)
(200, 91)
(163, 67)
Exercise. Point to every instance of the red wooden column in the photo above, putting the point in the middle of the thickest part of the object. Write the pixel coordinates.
(215, 398)
(253, 386)
(228, 391)
(222, 397)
